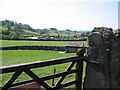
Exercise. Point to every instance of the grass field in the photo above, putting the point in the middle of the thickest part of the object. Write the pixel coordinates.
(6, 43)
(11, 57)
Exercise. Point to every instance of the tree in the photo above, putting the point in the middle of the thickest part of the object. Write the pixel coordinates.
(9, 26)
(85, 34)
(54, 29)
(2, 23)
(17, 27)
(14, 35)
(6, 32)
(68, 30)
(44, 31)
(5, 36)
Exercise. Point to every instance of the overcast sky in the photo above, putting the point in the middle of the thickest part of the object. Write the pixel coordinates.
(61, 14)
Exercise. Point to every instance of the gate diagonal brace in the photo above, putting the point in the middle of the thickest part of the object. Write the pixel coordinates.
(63, 77)
(12, 79)
(36, 78)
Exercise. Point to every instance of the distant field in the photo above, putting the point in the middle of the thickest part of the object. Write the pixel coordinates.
(6, 43)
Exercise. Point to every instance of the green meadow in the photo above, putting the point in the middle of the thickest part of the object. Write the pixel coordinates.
(13, 57)
(7, 43)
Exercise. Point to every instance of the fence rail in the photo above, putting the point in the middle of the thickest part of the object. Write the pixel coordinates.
(18, 69)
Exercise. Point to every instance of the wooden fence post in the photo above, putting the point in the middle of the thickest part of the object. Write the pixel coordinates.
(79, 66)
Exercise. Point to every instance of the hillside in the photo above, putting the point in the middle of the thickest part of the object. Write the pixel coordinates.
(13, 30)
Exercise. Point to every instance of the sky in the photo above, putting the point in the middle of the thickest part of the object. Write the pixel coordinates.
(119, 15)
(61, 14)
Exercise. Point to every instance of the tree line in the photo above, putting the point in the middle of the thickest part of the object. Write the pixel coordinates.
(14, 30)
